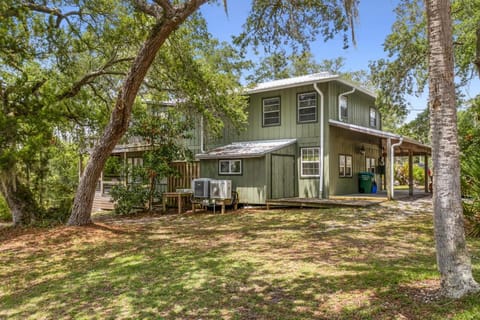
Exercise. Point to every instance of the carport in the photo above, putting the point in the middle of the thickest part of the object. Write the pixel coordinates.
(394, 145)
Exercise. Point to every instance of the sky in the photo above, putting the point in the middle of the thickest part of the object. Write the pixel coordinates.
(374, 24)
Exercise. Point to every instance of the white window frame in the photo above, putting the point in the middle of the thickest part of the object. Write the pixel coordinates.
(373, 120)
(370, 164)
(265, 102)
(304, 152)
(231, 165)
(345, 166)
(343, 116)
(305, 101)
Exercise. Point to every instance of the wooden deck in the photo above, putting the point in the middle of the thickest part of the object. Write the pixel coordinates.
(351, 200)
(321, 203)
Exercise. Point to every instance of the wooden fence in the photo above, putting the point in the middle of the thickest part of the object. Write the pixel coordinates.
(187, 172)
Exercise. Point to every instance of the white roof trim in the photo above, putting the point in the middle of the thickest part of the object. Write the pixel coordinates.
(303, 81)
(246, 149)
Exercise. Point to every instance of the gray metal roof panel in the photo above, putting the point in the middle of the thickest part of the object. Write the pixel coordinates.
(246, 149)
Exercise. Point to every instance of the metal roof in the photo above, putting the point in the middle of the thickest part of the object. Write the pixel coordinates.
(305, 80)
(409, 143)
(246, 149)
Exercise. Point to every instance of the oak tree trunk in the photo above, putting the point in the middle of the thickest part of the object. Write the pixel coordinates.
(19, 199)
(120, 117)
(452, 255)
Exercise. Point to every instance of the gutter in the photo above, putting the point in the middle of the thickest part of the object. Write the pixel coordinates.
(322, 137)
(202, 148)
(339, 99)
(392, 158)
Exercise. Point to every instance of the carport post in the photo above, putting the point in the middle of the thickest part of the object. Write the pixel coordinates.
(410, 173)
(388, 163)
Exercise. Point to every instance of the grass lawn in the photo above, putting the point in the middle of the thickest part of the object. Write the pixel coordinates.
(372, 263)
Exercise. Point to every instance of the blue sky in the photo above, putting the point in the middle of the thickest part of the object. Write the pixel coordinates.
(374, 24)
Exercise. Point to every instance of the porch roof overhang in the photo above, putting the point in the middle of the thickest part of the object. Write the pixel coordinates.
(246, 149)
(408, 145)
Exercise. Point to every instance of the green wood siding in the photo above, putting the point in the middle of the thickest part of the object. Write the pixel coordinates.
(251, 185)
(348, 143)
(358, 105)
(289, 127)
(254, 185)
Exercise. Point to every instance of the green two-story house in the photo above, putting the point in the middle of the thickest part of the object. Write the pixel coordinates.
(307, 137)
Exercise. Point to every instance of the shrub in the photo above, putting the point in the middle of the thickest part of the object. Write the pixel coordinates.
(471, 189)
(127, 198)
(5, 214)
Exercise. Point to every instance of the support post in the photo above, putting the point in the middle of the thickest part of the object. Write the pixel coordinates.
(410, 173)
(388, 164)
(426, 176)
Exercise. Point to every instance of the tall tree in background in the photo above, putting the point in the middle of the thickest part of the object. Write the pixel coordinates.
(452, 255)
(405, 71)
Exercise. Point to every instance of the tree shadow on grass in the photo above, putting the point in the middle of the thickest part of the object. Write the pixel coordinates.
(254, 266)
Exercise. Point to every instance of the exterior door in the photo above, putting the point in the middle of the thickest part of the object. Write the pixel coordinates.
(283, 176)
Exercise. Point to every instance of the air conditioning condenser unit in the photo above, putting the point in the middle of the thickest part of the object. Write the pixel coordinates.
(221, 189)
(201, 187)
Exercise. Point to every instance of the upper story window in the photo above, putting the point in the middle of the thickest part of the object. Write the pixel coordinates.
(343, 108)
(271, 111)
(307, 107)
(310, 162)
(373, 117)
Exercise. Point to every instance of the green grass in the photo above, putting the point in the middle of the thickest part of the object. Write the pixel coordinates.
(374, 263)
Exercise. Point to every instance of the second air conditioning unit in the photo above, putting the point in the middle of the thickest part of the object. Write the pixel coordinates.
(220, 189)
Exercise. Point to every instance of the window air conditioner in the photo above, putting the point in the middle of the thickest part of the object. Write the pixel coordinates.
(220, 189)
(201, 187)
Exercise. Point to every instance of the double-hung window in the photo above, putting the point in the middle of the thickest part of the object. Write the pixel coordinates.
(345, 165)
(307, 107)
(373, 117)
(230, 167)
(271, 111)
(310, 162)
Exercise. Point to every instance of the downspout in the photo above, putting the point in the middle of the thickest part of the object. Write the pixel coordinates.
(392, 158)
(340, 99)
(322, 134)
(202, 148)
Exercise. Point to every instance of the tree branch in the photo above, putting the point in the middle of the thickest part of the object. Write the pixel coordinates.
(149, 9)
(52, 11)
(88, 78)
(167, 7)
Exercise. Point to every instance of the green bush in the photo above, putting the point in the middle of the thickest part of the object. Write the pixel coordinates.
(127, 198)
(5, 214)
(471, 190)
(401, 174)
